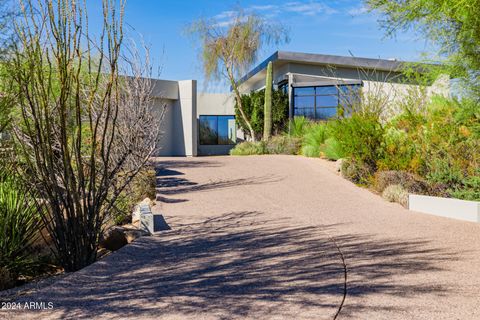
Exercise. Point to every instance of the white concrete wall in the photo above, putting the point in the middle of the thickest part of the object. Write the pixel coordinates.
(165, 140)
(215, 104)
(184, 116)
(445, 207)
(179, 131)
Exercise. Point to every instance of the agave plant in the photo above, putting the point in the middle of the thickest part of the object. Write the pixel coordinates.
(20, 224)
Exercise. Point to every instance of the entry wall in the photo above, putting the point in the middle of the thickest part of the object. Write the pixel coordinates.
(179, 124)
(217, 104)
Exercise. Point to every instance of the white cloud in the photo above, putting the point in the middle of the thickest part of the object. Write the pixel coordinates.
(311, 8)
(225, 15)
(271, 11)
(263, 7)
(357, 11)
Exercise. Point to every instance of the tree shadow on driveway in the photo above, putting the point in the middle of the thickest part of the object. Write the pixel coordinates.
(170, 182)
(238, 265)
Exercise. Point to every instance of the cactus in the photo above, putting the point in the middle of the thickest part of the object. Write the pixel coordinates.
(267, 120)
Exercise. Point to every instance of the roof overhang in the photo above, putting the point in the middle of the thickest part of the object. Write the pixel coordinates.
(281, 57)
(301, 80)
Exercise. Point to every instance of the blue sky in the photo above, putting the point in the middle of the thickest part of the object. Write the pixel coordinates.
(328, 27)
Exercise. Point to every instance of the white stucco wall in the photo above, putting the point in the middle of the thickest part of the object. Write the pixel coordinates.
(185, 139)
(215, 104)
(179, 124)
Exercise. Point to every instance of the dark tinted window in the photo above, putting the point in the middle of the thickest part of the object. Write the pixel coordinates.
(215, 130)
(208, 130)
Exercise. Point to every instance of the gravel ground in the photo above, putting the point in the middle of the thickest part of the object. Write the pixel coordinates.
(275, 237)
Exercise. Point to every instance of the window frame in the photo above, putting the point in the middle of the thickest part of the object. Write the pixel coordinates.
(217, 132)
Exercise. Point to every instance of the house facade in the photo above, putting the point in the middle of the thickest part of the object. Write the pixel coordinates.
(317, 85)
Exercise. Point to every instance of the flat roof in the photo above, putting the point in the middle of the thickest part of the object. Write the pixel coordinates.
(328, 60)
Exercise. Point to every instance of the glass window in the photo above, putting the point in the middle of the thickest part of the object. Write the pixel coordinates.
(327, 101)
(283, 87)
(305, 102)
(214, 130)
(208, 130)
(305, 112)
(326, 90)
(305, 91)
(350, 96)
(322, 102)
(226, 130)
(326, 113)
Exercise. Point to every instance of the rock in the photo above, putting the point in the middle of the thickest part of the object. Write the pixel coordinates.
(338, 165)
(114, 239)
(148, 202)
(136, 216)
(118, 237)
(141, 208)
(132, 234)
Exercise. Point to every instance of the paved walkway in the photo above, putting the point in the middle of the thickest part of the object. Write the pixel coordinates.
(277, 237)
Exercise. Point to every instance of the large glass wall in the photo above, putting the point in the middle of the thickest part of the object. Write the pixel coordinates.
(322, 102)
(217, 130)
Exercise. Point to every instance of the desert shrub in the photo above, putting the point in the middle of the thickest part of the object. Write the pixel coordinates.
(298, 126)
(332, 149)
(396, 193)
(450, 139)
(283, 144)
(398, 151)
(406, 180)
(142, 186)
(248, 148)
(20, 225)
(313, 139)
(360, 137)
(468, 116)
(444, 171)
(469, 189)
(356, 171)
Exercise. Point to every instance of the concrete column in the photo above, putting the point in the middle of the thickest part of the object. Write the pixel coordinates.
(187, 92)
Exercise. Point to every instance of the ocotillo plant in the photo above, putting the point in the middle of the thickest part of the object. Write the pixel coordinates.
(267, 119)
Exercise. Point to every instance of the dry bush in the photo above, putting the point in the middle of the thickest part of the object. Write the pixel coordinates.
(356, 171)
(408, 181)
(84, 130)
(283, 145)
(396, 193)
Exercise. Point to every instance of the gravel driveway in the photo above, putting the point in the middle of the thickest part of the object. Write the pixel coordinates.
(276, 237)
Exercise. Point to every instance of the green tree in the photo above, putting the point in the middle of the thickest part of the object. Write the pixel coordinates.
(254, 105)
(452, 25)
(267, 123)
(228, 51)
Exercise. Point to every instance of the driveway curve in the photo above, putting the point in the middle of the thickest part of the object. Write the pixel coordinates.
(275, 237)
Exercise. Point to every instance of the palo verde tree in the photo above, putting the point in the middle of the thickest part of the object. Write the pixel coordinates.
(452, 25)
(228, 50)
(83, 131)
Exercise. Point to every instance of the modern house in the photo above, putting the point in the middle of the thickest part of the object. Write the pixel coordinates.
(317, 84)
